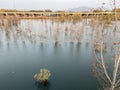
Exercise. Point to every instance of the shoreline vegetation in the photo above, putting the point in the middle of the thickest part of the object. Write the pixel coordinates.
(63, 17)
(60, 15)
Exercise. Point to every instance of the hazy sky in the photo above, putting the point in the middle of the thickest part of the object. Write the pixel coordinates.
(50, 4)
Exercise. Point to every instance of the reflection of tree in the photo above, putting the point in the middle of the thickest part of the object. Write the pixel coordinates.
(42, 86)
(80, 32)
(57, 34)
(9, 22)
(0, 40)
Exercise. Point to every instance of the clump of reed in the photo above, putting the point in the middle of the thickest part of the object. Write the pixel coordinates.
(74, 17)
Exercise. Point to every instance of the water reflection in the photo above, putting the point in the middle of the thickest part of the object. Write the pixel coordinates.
(42, 86)
(27, 31)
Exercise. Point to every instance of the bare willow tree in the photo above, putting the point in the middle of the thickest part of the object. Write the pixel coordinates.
(107, 54)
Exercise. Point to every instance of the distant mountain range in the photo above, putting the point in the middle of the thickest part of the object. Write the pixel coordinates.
(85, 8)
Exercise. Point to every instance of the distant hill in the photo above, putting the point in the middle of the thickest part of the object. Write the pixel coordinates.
(83, 8)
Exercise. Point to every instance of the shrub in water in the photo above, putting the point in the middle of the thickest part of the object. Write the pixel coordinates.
(43, 76)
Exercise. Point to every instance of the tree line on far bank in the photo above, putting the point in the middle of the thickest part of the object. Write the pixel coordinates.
(48, 10)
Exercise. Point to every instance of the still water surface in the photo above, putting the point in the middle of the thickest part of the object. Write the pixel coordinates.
(29, 45)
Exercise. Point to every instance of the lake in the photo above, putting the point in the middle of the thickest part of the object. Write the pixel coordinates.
(64, 48)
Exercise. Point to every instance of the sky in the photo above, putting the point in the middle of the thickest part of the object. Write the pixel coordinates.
(51, 4)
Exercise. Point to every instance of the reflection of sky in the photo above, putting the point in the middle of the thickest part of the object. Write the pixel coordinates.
(51, 4)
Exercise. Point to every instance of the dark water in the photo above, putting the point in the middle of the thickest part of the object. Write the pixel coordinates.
(23, 55)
